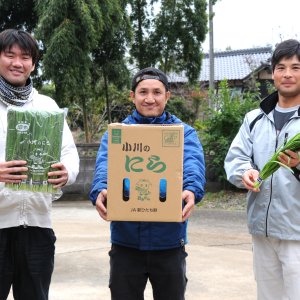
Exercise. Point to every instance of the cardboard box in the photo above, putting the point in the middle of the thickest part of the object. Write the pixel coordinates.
(145, 172)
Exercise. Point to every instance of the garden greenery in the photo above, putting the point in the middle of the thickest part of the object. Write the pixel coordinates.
(221, 125)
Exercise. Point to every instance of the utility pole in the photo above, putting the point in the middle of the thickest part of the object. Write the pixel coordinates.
(211, 50)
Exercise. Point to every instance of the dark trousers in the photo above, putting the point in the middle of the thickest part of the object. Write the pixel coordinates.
(26, 262)
(131, 268)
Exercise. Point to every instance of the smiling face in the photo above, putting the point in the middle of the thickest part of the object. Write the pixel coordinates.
(286, 76)
(15, 66)
(150, 97)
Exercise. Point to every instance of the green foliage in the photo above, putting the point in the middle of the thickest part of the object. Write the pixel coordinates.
(222, 125)
(170, 39)
(48, 90)
(18, 14)
(270, 87)
(69, 31)
(97, 112)
(178, 107)
(180, 28)
(109, 64)
(85, 44)
(140, 18)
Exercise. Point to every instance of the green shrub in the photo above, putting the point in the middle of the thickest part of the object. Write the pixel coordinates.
(178, 106)
(221, 126)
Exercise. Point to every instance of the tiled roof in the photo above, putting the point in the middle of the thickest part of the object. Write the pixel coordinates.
(230, 65)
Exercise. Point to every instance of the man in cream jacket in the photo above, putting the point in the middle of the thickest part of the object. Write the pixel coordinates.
(27, 240)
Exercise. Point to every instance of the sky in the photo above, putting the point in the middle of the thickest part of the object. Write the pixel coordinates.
(243, 24)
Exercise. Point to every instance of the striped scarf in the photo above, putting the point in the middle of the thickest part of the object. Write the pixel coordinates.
(11, 95)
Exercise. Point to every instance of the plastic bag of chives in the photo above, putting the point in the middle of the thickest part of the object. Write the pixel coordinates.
(35, 136)
(273, 164)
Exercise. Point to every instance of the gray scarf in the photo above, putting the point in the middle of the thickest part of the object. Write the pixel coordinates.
(11, 95)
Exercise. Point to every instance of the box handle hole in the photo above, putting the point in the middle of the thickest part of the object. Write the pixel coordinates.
(126, 189)
(162, 190)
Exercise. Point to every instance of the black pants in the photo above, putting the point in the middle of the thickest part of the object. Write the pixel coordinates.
(131, 268)
(26, 262)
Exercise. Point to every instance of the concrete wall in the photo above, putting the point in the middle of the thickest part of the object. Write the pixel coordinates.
(81, 188)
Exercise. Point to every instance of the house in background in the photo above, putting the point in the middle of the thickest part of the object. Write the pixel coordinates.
(240, 67)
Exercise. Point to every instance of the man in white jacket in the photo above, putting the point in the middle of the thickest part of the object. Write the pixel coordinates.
(273, 208)
(27, 240)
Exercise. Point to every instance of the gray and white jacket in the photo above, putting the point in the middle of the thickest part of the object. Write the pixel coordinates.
(275, 210)
(19, 208)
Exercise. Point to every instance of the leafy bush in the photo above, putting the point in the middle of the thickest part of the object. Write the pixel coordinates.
(221, 126)
(178, 106)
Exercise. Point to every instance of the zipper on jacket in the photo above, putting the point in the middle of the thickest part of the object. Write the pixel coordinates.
(23, 214)
(271, 189)
(286, 135)
(285, 138)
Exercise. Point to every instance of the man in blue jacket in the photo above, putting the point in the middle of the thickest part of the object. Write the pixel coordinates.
(151, 250)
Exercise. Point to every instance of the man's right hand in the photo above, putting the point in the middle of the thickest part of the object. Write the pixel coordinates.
(248, 179)
(10, 171)
(101, 204)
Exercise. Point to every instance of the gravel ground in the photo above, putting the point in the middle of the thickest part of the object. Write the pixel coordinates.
(227, 200)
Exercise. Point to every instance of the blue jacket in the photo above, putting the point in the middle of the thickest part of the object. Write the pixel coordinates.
(155, 235)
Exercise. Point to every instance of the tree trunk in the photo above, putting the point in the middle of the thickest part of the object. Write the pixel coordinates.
(107, 98)
(85, 122)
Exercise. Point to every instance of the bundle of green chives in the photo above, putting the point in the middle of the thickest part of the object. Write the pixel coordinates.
(35, 136)
(273, 164)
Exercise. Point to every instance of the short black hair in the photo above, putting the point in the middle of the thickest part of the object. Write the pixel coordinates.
(149, 73)
(285, 49)
(26, 42)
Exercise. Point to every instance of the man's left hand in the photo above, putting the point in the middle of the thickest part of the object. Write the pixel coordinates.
(61, 175)
(189, 199)
(289, 158)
